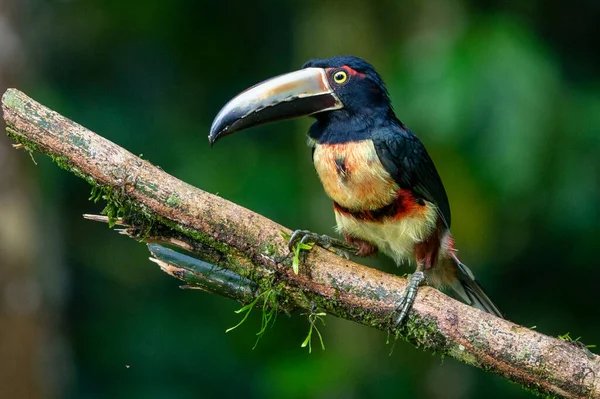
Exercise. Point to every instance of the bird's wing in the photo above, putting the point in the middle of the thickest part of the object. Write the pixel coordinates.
(406, 160)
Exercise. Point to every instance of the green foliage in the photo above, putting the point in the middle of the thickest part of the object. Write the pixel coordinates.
(298, 247)
(313, 319)
(269, 312)
(296, 260)
(115, 209)
(567, 338)
(96, 194)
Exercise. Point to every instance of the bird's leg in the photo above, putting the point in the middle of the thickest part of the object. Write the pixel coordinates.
(409, 294)
(334, 245)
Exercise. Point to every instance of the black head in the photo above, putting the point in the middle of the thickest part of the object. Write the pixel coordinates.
(356, 83)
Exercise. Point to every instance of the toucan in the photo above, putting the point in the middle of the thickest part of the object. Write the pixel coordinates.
(387, 194)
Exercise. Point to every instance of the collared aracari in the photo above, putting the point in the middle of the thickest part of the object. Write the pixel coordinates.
(387, 194)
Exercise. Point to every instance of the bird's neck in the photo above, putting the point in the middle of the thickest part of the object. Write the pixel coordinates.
(341, 126)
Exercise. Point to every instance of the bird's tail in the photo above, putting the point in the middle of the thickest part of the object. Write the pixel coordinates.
(469, 290)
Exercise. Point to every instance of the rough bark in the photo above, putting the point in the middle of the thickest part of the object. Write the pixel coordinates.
(155, 204)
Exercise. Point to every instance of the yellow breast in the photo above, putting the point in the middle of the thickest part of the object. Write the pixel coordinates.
(353, 176)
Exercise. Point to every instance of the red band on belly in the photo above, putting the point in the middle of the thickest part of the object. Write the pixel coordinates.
(404, 204)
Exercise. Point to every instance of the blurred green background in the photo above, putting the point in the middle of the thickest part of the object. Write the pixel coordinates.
(505, 95)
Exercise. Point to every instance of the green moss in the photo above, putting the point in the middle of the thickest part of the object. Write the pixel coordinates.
(196, 235)
(270, 250)
(523, 356)
(29, 146)
(174, 201)
(536, 390)
(148, 188)
(79, 142)
(96, 194)
(61, 161)
(11, 132)
(460, 352)
(424, 333)
(370, 319)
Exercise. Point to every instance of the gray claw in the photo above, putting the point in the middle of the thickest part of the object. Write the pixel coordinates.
(408, 296)
(299, 235)
(305, 239)
(339, 247)
(339, 252)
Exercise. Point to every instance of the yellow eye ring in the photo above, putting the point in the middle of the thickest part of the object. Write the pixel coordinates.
(340, 77)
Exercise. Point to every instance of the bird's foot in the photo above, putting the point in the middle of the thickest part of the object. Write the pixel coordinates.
(363, 248)
(334, 245)
(408, 296)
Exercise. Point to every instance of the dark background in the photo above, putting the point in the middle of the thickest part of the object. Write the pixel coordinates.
(505, 95)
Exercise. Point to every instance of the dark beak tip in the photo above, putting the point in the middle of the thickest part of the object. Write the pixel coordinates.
(213, 136)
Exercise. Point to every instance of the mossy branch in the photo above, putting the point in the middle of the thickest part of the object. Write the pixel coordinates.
(159, 207)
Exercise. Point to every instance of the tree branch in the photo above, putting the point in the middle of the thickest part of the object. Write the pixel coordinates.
(154, 204)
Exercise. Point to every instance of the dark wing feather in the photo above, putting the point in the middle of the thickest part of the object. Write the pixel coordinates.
(405, 158)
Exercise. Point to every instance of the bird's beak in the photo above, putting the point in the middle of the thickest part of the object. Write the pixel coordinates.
(300, 93)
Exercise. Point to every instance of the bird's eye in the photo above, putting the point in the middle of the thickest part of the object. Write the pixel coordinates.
(340, 77)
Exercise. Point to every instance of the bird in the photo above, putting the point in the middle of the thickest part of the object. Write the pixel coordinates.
(387, 194)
